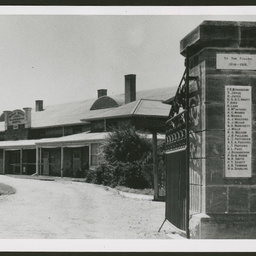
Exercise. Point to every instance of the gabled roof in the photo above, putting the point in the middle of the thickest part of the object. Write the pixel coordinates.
(142, 107)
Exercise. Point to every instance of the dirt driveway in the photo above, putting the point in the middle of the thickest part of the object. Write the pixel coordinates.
(66, 209)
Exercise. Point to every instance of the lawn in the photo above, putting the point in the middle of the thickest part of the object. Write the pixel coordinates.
(6, 190)
(146, 191)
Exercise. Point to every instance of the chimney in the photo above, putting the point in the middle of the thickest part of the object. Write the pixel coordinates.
(6, 113)
(130, 88)
(102, 92)
(39, 105)
(27, 117)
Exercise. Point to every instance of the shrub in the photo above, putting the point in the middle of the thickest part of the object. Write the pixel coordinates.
(132, 175)
(137, 175)
(6, 189)
(126, 160)
(101, 175)
(124, 144)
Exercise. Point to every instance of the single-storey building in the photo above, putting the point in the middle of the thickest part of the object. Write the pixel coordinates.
(63, 139)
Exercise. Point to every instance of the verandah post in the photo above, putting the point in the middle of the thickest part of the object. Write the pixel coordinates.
(155, 169)
(40, 161)
(4, 161)
(36, 160)
(61, 161)
(21, 161)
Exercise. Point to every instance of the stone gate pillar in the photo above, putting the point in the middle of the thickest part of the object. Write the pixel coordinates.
(222, 129)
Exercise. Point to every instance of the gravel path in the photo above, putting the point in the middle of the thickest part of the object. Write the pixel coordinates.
(65, 209)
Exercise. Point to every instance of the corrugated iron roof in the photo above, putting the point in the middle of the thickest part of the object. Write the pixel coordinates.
(19, 144)
(61, 114)
(140, 108)
(74, 112)
(84, 137)
(79, 139)
(152, 108)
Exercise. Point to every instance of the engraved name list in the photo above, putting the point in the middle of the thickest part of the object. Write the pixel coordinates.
(238, 145)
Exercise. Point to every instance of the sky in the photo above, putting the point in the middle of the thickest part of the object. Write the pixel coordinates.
(68, 57)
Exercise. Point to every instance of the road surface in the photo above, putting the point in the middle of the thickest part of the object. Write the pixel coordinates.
(64, 209)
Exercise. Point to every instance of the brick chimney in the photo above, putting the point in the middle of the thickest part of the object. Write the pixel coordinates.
(6, 113)
(27, 117)
(39, 105)
(130, 88)
(102, 92)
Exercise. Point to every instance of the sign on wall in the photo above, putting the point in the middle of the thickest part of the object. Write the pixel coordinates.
(238, 131)
(16, 117)
(236, 61)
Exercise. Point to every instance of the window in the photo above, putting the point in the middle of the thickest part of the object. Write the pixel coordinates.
(94, 154)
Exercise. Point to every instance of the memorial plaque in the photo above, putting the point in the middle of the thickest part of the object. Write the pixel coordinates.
(236, 61)
(238, 131)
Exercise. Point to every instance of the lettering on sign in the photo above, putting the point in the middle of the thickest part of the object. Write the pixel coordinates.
(16, 117)
(238, 131)
(236, 61)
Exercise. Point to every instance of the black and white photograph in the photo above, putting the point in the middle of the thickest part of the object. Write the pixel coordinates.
(127, 125)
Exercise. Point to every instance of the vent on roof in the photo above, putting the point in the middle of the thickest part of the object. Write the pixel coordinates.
(39, 105)
(2, 117)
(102, 92)
(130, 88)
(104, 102)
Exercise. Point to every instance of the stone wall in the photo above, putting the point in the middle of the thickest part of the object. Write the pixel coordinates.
(52, 132)
(228, 208)
(16, 134)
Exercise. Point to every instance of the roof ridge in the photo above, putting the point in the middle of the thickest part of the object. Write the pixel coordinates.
(136, 106)
(92, 98)
(144, 90)
(69, 102)
(151, 99)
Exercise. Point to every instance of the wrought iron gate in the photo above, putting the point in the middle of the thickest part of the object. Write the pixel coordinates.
(183, 183)
(177, 158)
(176, 172)
(176, 194)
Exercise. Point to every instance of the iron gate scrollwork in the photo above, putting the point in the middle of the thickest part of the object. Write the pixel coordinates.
(176, 133)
